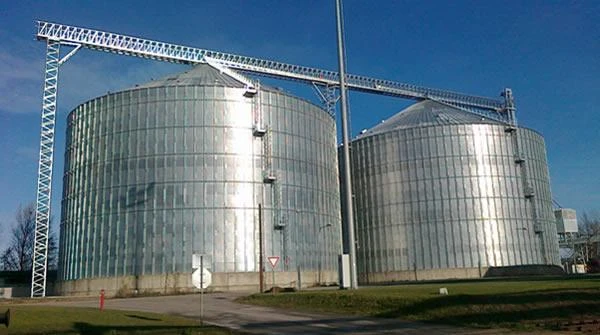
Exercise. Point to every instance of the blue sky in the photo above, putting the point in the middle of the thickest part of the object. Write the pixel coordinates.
(548, 52)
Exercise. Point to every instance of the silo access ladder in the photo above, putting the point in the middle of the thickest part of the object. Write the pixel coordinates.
(519, 159)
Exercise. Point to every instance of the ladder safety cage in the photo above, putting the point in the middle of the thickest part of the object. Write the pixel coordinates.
(258, 127)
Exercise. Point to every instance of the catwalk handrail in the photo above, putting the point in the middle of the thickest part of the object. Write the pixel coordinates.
(134, 46)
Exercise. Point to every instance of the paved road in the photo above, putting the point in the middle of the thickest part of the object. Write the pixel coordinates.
(221, 309)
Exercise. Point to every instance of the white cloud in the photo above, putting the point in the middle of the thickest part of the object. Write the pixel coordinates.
(94, 74)
(27, 153)
(20, 77)
(17, 68)
(86, 75)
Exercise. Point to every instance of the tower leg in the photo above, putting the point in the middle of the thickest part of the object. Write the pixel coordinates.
(44, 185)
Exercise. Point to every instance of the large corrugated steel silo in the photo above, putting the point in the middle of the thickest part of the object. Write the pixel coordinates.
(178, 166)
(443, 193)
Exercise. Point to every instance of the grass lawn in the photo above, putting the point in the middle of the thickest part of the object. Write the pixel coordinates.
(509, 303)
(28, 319)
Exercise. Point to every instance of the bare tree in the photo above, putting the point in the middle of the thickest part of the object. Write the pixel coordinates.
(589, 223)
(18, 255)
(589, 228)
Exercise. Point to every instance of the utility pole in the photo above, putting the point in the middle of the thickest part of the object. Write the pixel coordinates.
(261, 257)
(346, 144)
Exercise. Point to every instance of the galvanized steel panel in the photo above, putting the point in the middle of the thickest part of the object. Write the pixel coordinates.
(171, 168)
(448, 195)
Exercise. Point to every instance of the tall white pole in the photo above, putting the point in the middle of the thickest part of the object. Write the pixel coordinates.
(346, 148)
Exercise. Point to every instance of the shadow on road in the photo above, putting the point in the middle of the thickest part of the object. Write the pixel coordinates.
(92, 329)
(350, 325)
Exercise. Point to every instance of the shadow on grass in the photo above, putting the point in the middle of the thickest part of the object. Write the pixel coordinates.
(585, 277)
(545, 317)
(540, 297)
(142, 317)
(344, 325)
(501, 308)
(92, 329)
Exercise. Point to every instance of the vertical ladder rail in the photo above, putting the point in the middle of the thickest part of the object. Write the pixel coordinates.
(44, 184)
(258, 126)
(528, 191)
(265, 133)
(280, 221)
(268, 174)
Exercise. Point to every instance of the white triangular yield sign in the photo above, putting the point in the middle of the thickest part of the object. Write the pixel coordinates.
(273, 260)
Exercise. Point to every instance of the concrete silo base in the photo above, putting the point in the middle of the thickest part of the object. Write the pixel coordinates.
(462, 273)
(416, 275)
(178, 283)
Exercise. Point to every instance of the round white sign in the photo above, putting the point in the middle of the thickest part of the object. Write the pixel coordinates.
(206, 278)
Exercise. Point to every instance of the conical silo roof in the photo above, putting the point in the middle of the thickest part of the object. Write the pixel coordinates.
(199, 75)
(428, 113)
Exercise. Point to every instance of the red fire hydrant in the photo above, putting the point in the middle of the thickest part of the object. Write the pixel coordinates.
(102, 299)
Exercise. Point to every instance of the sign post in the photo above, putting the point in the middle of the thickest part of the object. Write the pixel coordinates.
(201, 290)
(201, 278)
(273, 260)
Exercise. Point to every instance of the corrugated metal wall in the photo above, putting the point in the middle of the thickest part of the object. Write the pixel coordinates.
(157, 173)
(450, 196)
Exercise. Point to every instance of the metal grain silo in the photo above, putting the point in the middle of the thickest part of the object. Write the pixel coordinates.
(178, 166)
(443, 193)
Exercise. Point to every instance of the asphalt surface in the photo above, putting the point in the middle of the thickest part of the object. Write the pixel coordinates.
(221, 309)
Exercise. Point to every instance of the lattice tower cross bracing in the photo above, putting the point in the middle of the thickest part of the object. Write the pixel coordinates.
(57, 35)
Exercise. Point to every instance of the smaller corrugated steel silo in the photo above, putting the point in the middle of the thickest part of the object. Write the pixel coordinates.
(443, 193)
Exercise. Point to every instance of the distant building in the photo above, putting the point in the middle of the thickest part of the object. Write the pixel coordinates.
(566, 221)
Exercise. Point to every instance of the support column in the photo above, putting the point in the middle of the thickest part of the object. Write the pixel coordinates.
(44, 185)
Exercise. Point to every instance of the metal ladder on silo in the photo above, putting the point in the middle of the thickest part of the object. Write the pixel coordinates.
(264, 132)
(280, 221)
(519, 159)
(269, 177)
(268, 174)
(258, 127)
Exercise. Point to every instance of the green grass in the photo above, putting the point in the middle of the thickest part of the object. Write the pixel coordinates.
(521, 304)
(31, 319)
